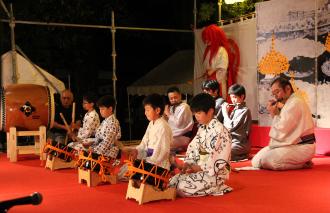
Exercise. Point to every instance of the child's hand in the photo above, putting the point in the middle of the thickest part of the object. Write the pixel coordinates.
(225, 107)
(184, 168)
(189, 168)
(194, 169)
(73, 136)
(133, 154)
(74, 126)
(86, 144)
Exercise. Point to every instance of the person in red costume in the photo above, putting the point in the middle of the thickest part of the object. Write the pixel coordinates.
(220, 57)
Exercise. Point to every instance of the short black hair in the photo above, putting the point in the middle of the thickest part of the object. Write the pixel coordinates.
(173, 89)
(202, 102)
(283, 82)
(236, 89)
(90, 97)
(107, 101)
(210, 84)
(155, 101)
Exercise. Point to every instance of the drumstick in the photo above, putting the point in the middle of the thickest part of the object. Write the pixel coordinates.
(65, 123)
(73, 111)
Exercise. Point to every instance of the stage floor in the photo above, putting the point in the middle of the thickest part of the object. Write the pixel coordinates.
(254, 191)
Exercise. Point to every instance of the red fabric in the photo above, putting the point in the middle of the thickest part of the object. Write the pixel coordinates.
(259, 137)
(215, 38)
(322, 141)
(300, 191)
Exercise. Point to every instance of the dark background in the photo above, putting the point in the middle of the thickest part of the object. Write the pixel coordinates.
(83, 55)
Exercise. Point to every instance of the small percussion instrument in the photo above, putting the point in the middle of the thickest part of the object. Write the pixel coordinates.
(95, 162)
(153, 185)
(60, 151)
(148, 173)
(95, 169)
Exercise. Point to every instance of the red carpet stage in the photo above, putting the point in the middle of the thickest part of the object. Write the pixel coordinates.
(254, 191)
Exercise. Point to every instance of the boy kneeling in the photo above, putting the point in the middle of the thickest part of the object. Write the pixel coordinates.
(207, 161)
(155, 145)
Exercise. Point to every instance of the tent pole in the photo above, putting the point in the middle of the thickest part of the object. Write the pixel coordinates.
(6, 11)
(13, 46)
(129, 118)
(113, 33)
(195, 15)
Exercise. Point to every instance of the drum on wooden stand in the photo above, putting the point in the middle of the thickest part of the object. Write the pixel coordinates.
(96, 163)
(26, 107)
(148, 182)
(60, 151)
(148, 173)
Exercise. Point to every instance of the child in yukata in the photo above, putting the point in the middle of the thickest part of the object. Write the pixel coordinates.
(90, 122)
(155, 144)
(211, 87)
(207, 162)
(238, 122)
(108, 133)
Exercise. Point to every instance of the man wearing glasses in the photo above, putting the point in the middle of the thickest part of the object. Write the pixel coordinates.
(292, 140)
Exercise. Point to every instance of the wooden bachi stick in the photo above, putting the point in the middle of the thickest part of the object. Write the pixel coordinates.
(65, 123)
(73, 112)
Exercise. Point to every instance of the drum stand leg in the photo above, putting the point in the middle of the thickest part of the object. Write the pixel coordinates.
(146, 193)
(13, 150)
(93, 179)
(54, 163)
(8, 145)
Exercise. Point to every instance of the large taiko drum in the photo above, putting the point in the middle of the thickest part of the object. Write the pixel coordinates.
(26, 107)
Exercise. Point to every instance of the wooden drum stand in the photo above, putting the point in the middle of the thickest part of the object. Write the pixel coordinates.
(150, 188)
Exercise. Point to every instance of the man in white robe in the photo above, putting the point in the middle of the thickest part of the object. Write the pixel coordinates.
(180, 119)
(292, 140)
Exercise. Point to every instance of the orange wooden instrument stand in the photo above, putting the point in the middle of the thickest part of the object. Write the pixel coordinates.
(145, 192)
(93, 179)
(54, 163)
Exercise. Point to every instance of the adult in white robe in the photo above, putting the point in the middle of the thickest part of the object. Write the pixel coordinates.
(292, 140)
(180, 119)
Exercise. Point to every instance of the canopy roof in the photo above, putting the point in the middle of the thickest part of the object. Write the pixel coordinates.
(177, 70)
(28, 73)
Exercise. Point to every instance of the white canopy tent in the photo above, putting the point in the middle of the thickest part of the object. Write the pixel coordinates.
(177, 70)
(28, 73)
